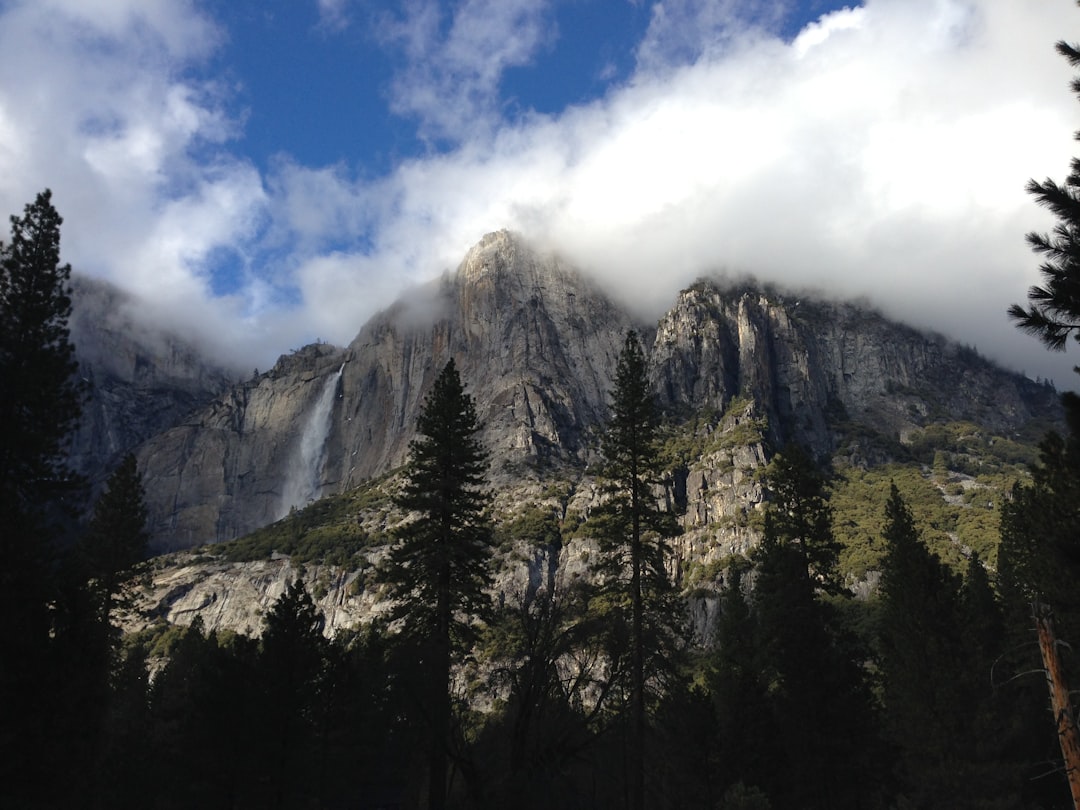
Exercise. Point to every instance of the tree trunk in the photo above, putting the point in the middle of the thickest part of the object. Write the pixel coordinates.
(637, 688)
(440, 698)
(1068, 734)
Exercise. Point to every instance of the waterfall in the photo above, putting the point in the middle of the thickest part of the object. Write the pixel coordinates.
(303, 481)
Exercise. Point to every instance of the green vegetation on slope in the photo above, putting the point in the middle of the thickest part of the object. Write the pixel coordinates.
(954, 484)
(332, 530)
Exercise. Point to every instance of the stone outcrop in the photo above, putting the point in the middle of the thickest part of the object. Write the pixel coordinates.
(140, 381)
(536, 345)
(810, 365)
(226, 469)
(237, 596)
(534, 342)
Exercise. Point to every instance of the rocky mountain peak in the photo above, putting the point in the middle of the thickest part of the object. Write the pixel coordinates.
(495, 252)
(537, 344)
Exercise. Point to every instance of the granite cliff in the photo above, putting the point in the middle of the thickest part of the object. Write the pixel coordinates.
(745, 369)
(536, 344)
(139, 380)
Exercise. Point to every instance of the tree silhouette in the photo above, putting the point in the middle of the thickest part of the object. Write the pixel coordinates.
(292, 664)
(438, 568)
(747, 739)
(116, 538)
(40, 403)
(800, 513)
(1054, 311)
(920, 657)
(631, 530)
(820, 699)
(1053, 314)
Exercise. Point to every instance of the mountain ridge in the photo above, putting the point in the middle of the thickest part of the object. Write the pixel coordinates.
(536, 343)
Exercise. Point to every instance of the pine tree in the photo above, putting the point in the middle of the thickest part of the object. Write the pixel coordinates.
(292, 669)
(921, 654)
(1053, 314)
(800, 513)
(204, 725)
(438, 568)
(40, 403)
(747, 738)
(116, 538)
(821, 705)
(631, 530)
(1054, 311)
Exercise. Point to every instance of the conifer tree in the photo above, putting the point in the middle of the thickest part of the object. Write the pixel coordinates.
(631, 530)
(1054, 311)
(819, 696)
(748, 744)
(292, 668)
(40, 403)
(116, 538)
(800, 513)
(93, 581)
(438, 568)
(921, 653)
(1043, 518)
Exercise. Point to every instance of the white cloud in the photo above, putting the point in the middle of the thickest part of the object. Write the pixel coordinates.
(684, 32)
(455, 66)
(333, 14)
(882, 153)
(98, 102)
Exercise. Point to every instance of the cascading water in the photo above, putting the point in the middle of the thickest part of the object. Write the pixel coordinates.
(302, 484)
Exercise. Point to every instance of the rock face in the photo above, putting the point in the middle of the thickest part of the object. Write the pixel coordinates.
(237, 596)
(140, 381)
(244, 460)
(810, 364)
(537, 345)
(534, 342)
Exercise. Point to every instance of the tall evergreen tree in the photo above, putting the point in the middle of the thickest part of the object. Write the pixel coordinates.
(920, 657)
(820, 701)
(800, 513)
(292, 668)
(116, 538)
(202, 737)
(438, 568)
(748, 744)
(91, 582)
(1053, 314)
(631, 528)
(40, 403)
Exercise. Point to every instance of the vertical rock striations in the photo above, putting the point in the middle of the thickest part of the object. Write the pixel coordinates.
(536, 346)
(225, 470)
(140, 381)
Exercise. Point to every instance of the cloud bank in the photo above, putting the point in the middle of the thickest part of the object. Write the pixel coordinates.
(882, 152)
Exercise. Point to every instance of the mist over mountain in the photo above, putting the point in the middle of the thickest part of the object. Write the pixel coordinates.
(536, 343)
(140, 380)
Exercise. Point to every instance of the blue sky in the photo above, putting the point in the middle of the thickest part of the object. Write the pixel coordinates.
(262, 173)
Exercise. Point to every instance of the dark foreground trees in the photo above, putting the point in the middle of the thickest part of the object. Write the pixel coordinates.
(631, 528)
(438, 567)
(39, 406)
(116, 538)
(821, 711)
(1039, 541)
